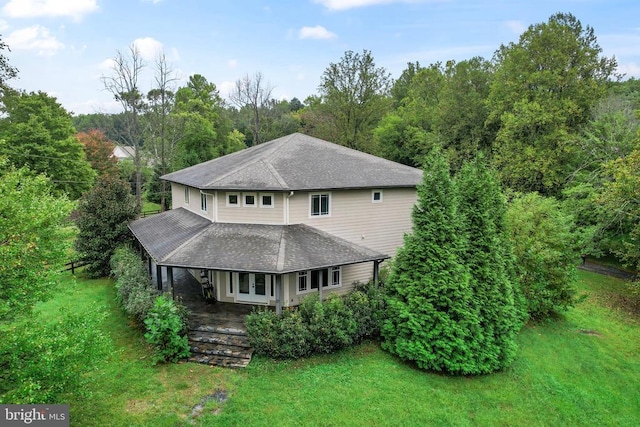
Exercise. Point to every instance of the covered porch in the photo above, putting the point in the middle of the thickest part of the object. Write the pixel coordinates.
(272, 265)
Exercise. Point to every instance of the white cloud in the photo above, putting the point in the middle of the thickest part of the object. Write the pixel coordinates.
(35, 37)
(75, 9)
(318, 32)
(152, 1)
(352, 4)
(517, 27)
(148, 47)
(225, 88)
(629, 70)
(4, 25)
(232, 63)
(107, 64)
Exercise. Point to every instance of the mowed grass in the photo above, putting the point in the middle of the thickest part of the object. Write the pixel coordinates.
(581, 369)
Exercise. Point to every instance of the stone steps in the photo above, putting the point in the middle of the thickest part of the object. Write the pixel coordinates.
(219, 345)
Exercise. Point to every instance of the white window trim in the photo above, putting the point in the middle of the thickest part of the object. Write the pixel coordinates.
(373, 192)
(244, 200)
(271, 206)
(187, 195)
(230, 289)
(231, 205)
(309, 289)
(327, 193)
(330, 280)
(204, 203)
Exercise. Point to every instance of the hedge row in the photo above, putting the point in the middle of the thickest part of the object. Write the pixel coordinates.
(317, 327)
(163, 319)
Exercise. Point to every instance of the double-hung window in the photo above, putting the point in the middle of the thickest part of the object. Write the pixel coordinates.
(186, 195)
(320, 204)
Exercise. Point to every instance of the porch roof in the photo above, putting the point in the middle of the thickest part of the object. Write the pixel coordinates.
(180, 238)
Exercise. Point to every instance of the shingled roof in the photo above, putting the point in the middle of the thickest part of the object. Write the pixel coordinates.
(188, 240)
(296, 162)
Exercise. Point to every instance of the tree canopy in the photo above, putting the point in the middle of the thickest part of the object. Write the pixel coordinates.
(35, 239)
(37, 132)
(544, 90)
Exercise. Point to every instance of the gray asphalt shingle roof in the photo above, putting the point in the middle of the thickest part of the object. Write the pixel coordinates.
(296, 162)
(181, 238)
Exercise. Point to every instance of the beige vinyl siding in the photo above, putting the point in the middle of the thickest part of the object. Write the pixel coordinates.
(353, 216)
(177, 200)
(350, 275)
(251, 215)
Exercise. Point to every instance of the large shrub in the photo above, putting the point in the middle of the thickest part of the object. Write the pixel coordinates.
(164, 320)
(330, 324)
(316, 327)
(166, 331)
(133, 285)
(104, 213)
(283, 336)
(546, 253)
(45, 363)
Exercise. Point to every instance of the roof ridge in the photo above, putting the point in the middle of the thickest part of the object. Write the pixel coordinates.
(281, 249)
(333, 236)
(246, 163)
(186, 241)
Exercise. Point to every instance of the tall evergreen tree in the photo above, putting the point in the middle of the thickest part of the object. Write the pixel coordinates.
(489, 257)
(431, 318)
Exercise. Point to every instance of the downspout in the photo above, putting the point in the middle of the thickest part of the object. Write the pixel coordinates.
(286, 208)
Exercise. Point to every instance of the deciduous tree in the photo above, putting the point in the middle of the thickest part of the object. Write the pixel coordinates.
(37, 132)
(35, 239)
(123, 84)
(546, 254)
(99, 152)
(544, 90)
(253, 94)
(355, 95)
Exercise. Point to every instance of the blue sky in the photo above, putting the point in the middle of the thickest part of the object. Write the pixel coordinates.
(63, 47)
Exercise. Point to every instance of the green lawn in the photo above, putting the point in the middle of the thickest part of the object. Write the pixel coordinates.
(583, 369)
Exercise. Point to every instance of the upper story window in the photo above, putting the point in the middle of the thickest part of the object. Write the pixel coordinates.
(376, 196)
(249, 200)
(266, 200)
(203, 202)
(233, 199)
(186, 195)
(320, 204)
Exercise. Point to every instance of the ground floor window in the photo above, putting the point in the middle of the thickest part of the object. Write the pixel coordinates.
(312, 280)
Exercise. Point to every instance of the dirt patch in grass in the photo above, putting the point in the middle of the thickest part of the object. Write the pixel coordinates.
(628, 304)
(589, 332)
(218, 396)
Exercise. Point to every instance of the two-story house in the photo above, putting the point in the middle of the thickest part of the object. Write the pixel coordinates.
(280, 220)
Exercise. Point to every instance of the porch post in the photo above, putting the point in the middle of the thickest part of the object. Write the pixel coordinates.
(376, 268)
(159, 276)
(149, 262)
(278, 294)
(170, 277)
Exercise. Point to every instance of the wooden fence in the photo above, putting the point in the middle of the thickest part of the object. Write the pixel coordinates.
(73, 265)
